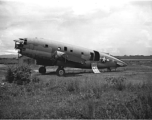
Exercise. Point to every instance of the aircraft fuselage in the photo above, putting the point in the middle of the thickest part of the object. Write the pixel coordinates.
(49, 53)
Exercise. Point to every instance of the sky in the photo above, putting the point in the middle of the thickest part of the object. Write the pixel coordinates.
(118, 27)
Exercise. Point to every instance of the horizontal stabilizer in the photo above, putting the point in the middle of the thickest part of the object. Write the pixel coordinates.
(95, 68)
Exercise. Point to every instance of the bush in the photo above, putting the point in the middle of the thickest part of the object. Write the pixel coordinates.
(9, 77)
(19, 74)
(73, 86)
(116, 82)
(35, 79)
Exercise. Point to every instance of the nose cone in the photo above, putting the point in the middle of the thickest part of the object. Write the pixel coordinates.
(121, 63)
(118, 62)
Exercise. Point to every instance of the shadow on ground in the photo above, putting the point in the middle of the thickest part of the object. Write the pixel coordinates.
(75, 73)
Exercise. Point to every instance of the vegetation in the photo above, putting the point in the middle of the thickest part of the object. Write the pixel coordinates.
(19, 74)
(115, 95)
(8, 61)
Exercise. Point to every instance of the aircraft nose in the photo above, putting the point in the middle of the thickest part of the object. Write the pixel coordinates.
(121, 64)
(125, 64)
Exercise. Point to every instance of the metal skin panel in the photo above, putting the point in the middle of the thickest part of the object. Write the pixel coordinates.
(45, 50)
(37, 54)
(55, 44)
(95, 68)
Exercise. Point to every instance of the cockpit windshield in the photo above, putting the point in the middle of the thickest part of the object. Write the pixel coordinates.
(18, 44)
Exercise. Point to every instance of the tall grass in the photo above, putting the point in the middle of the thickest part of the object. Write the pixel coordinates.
(116, 82)
(141, 107)
(19, 74)
(85, 98)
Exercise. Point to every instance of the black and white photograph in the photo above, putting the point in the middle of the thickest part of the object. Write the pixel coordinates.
(75, 59)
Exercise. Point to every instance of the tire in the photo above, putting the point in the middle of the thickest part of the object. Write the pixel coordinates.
(60, 72)
(109, 69)
(42, 70)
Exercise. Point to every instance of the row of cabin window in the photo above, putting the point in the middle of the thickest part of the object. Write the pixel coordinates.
(65, 49)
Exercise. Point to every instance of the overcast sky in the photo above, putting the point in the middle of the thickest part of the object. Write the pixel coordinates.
(119, 27)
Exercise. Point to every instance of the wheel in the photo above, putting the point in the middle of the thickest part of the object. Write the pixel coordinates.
(109, 69)
(60, 72)
(42, 70)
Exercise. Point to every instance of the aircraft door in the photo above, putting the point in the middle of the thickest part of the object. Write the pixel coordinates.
(92, 56)
(97, 56)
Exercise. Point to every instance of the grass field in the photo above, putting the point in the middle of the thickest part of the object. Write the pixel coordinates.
(125, 93)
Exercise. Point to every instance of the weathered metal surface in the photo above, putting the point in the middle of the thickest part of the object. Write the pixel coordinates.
(95, 68)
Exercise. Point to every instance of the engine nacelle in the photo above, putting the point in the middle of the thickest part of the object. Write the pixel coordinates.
(59, 54)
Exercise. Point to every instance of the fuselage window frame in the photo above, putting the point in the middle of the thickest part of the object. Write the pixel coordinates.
(65, 49)
(46, 46)
(91, 56)
(59, 48)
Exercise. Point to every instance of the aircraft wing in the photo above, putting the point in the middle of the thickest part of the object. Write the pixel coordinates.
(69, 57)
(76, 59)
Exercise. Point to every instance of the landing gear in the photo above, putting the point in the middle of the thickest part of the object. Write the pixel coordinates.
(42, 70)
(60, 71)
(109, 69)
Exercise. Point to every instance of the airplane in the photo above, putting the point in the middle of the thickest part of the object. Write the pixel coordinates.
(53, 53)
